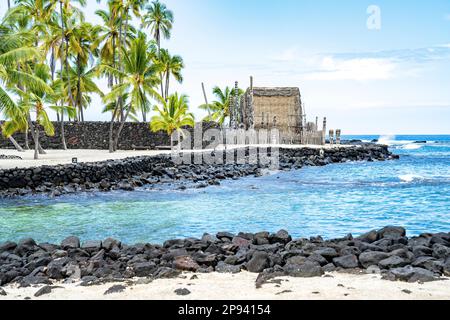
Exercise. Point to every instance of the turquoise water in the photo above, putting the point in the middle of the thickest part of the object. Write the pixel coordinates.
(331, 201)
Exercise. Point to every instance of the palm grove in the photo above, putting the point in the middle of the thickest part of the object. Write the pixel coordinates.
(51, 59)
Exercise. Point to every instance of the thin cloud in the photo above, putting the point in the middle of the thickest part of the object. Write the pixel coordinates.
(363, 69)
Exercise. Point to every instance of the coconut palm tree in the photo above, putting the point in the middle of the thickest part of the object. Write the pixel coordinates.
(35, 99)
(160, 21)
(172, 65)
(172, 116)
(15, 52)
(138, 79)
(32, 92)
(219, 110)
(83, 47)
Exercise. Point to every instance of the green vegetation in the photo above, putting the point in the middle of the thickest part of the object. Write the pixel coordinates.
(52, 59)
(219, 110)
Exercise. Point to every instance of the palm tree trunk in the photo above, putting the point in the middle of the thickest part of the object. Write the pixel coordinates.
(167, 83)
(27, 144)
(65, 50)
(36, 144)
(16, 145)
(79, 104)
(111, 128)
(158, 42)
(144, 115)
(63, 134)
(33, 134)
(119, 130)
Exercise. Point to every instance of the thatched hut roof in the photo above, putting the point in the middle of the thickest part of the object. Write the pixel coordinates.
(276, 92)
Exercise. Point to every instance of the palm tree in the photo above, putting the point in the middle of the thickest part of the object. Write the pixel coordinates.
(66, 10)
(138, 79)
(219, 110)
(160, 21)
(15, 52)
(172, 116)
(35, 99)
(172, 65)
(82, 46)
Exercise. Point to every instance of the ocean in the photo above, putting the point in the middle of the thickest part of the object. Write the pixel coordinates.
(331, 201)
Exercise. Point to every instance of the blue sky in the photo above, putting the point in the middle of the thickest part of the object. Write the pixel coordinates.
(389, 81)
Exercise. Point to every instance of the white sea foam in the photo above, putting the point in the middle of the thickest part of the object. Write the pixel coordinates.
(411, 146)
(410, 177)
(387, 140)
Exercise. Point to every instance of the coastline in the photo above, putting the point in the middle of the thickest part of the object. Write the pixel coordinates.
(386, 253)
(130, 173)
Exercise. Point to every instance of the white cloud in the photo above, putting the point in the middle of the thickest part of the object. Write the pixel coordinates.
(359, 69)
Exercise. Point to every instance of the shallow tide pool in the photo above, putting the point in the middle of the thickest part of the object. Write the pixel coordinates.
(332, 201)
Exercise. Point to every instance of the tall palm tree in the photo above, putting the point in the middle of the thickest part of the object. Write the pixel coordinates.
(172, 116)
(35, 99)
(160, 21)
(172, 65)
(83, 47)
(138, 79)
(219, 110)
(15, 52)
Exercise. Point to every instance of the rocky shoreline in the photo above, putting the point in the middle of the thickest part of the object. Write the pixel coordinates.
(131, 173)
(387, 252)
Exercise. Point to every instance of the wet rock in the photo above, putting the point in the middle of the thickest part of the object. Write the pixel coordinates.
(241, 242)
(92, 246)
(258, 262)
(420, 251)
(369, 237)
(440, 251)
(144, 269)
(225, 235)
(306, 270)
(281, 236)
(223, 267)
(46, 290)
(329, 268)
(182, 292)
(205, 259)
(115, 289)
(317, 258)
(327, 253)
(56, 267)
(7, 246)
(370, 258)
(297, 259)
(391, 232)
(410, 274)
(110, 243)
(70, 243)
(446, 268)
(166, 273)
(33, 280)
(185, 263)
(346, 262)
(392, 262)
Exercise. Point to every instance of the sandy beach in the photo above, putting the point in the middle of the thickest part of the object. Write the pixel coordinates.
(215, 286)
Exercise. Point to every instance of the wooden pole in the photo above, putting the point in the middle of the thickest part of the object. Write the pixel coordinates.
(338, 136)
(206, 100)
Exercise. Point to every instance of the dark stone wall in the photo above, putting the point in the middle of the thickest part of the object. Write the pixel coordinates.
(138, 171)
(95, 135)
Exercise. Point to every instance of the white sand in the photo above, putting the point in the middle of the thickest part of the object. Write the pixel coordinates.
(242, 287)
(55, 157)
